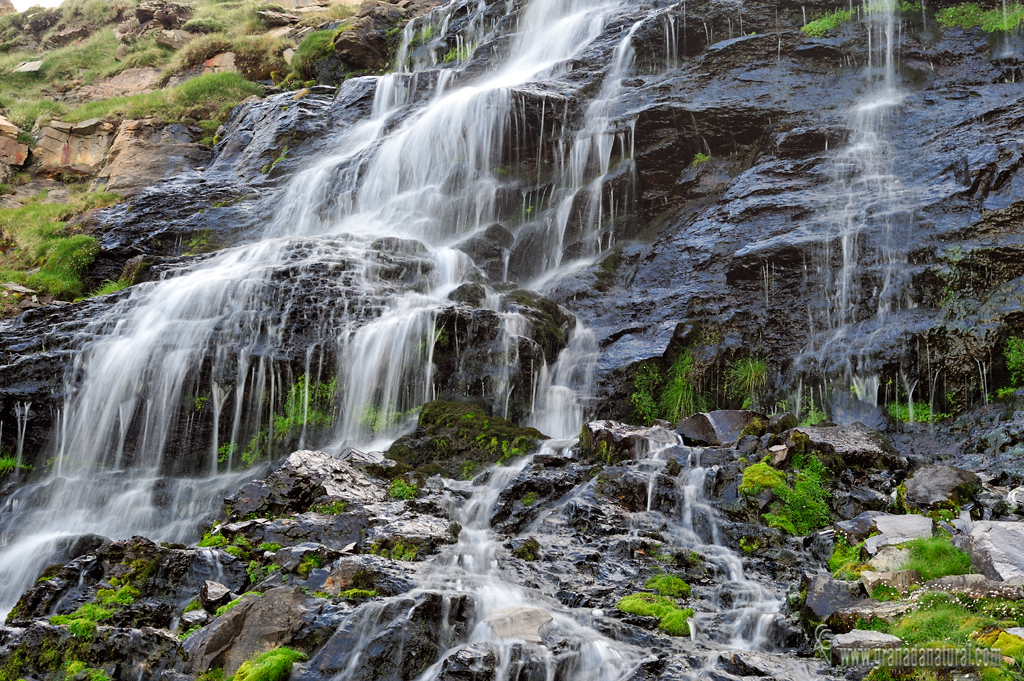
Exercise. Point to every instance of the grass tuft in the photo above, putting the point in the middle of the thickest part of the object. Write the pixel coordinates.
(936, 557)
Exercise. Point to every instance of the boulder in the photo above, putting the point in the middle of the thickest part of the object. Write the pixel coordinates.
(488, 250)
(845, 619)
(8, 129)
(256, 624)
(363, 45)
(370, 573)
(931, 487)
(225, 61)
(856, 529)
(977, 586)
(522, 623)
(29, 67)
(473, 662)
(860, 639)
(302, 479)
(174, 39)
(212, 595)
(1015, 500)
(889, 559)
(614, 442)
(143, 153)
(826, 595)
(856, 446)
(716, 428)
(997, 550)
(12, 152)
(901, 580)
(897, 529)
(425, 533)
(84, 145)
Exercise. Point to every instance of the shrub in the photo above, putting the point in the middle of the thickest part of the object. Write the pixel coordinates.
(668, 585)
(823, 25)
(935, 557)
(273, 665)
(699, 158)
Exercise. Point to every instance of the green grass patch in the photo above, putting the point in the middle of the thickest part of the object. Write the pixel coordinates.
(273, 665)
(668, 585)
(829, 22)
(109, 287)
(315, 47)
(269, 546)
(845, 560)
(47, 257)
(1014, 353)
(747, 377)
(936, 557)
(76, 669)
(670, 395)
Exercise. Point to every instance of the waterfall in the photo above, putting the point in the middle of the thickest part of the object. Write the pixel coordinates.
(863, 226)
(399, 188)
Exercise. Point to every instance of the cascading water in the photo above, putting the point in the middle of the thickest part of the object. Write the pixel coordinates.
(866, 219)
(403, 184)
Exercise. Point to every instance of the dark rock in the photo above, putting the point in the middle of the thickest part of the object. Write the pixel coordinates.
(457, 438)
(370, 573)
(614, 442)
(475, 662)
(934, 487)
(304, 478)
(855, 446)
(846, 619)
(826, 595)
(212, 595)
(717, 428)
(254, 625)
(857, 529)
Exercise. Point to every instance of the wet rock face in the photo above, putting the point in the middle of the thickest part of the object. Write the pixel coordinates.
(459, 439)
(934, 487)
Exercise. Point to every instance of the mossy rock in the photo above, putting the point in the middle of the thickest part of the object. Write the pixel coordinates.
(452, 437)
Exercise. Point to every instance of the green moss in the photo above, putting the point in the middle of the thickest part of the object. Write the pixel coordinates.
(969, 15)
(269, 546)
(336, 507)
(358, 594)
(236, 551)
(213, 540)
(677, 623)
(82, 622)
(936, 557)
(668, 585)
(529, 498)
(647, 605)
(193, 605)
(309, 563)
(759, 477)
(699, 158)
(529, 550)
(273, 665)
(1015, 359)
(829, 22)
(188, 632)
(884, 592)
(398, 551)
(450, 435)
(227, 608)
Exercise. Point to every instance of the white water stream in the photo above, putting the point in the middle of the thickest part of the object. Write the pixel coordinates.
(415, 169)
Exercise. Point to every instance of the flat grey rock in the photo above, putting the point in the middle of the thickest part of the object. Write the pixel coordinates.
(521, 623)
(897, 529)
(997, 550)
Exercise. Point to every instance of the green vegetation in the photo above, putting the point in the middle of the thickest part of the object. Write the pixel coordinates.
(822, 25)
(315, 47)
(454, 438)
(671, 395)
(46, 256)
(529, 498)
(969, 15)
(78, 670)
(309, 563)
(109, 286)
(193, 605)
(358, 594)
(82, 622)
(336, 507)
(226, 608)
(212, 540)
(747, 377)
(668, 585)
(801, 498)
(9, 464)
(269, 546)
(674, 620)
(845, 560)
(1015, 360)
(529, 550)
(936, 557)
(400, 489)
(273, 665)
(398, 551)
(900, 411)
(699, 158)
